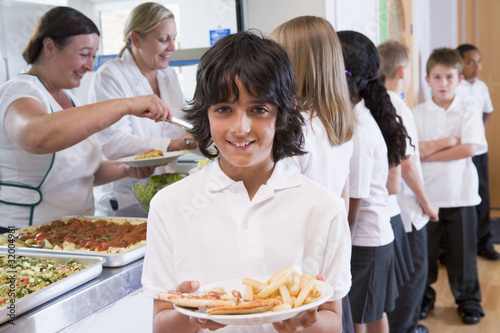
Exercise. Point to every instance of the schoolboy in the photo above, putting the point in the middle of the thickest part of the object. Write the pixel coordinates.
(247, 213)
(476, 92)
(416, 208)
(451, 181)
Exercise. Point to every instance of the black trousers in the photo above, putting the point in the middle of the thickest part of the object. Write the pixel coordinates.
(404, 318)
(459, 224)
(484, 239)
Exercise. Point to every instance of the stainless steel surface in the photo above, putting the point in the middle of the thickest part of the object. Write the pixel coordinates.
(79, 303)
(181, 123)
(28, 302)
(112, 260)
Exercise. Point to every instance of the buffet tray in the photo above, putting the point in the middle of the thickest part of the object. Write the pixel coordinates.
(112, 259)
(28, 302)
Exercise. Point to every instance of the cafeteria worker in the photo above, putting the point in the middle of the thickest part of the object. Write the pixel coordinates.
(142, 68)
(49, 156)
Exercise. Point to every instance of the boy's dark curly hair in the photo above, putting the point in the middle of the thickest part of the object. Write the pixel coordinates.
(362, 62)
(265, 70)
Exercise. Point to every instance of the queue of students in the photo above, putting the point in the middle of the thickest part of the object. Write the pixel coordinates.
(293, 124)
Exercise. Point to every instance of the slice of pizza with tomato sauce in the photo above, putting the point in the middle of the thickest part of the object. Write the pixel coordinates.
(210, 298)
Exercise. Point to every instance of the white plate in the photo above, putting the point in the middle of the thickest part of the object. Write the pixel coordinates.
(152, 161)
(255, 318)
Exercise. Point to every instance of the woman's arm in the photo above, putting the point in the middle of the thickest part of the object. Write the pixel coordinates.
(28, 124)
(110, 171)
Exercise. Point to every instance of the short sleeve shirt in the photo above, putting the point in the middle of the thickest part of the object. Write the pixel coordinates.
(367, 181)
(453, 183)
(205, 228)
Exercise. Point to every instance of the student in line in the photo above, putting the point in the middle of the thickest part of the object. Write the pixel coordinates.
(252, 212)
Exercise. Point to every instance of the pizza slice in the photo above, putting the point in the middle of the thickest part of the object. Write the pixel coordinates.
(211, 298)
(245, 307)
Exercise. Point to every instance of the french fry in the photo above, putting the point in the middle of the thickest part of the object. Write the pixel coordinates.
(273, 286)
(280, 273)
(316, 291)
(304, 293)
(295, 288)
(257, 285)
(285, 294)
(282, 307)
(248, 294)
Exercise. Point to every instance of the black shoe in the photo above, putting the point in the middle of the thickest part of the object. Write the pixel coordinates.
(424, 309)
(488, 253)
(470, 316)
(421, 329)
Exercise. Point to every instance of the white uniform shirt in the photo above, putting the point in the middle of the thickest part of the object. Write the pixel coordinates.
(477, 94)
(327, 165)
(411, 211)
(453, 183)
(205, 228)
(67, 190)
(119, 78)
(368, 179)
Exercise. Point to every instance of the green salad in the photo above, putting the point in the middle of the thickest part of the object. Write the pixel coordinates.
(144, 193)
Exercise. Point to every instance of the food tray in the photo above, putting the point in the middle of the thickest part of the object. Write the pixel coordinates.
(58, 288)
(112, 259)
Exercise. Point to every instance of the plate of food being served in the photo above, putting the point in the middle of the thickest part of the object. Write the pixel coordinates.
(253, 301)
(154, 158)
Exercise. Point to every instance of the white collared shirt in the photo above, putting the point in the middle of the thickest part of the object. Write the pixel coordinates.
(120, 78)
(368, 178)
(453, 183)
(478, 95)
(411, 210)
(205, 228)
(327, 165)
(67, 190)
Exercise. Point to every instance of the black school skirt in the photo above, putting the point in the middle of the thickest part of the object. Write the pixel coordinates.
(374, 286)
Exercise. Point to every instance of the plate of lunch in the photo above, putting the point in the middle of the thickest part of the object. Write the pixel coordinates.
(253, 301)
(153, 158)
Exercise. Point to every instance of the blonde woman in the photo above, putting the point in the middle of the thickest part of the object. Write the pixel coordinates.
(313, 47)
(141, 69)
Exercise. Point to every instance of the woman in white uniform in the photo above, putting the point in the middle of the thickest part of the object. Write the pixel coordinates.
(141, 69)
(49, 156)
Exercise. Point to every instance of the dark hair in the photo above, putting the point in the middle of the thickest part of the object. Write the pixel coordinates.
(362, 61)
(446, 57)
(265, 71)
(59, 24)
(466, 48)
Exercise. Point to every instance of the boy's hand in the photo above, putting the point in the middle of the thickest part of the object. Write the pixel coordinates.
(192, 286)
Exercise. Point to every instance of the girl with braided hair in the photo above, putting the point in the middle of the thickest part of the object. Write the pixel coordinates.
(379, 146)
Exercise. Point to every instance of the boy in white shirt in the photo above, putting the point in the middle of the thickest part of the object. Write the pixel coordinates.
(476, 92)
(416, 208)
(449, 133)
(247, 213)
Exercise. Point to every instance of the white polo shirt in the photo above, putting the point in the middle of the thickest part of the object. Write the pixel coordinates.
(121, 78)
(368, 178)
(453, 183)
(323, 163)
(205, 228)
(411, 210)
(477, 94)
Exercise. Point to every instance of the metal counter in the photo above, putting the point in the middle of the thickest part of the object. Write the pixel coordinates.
(75, 305)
